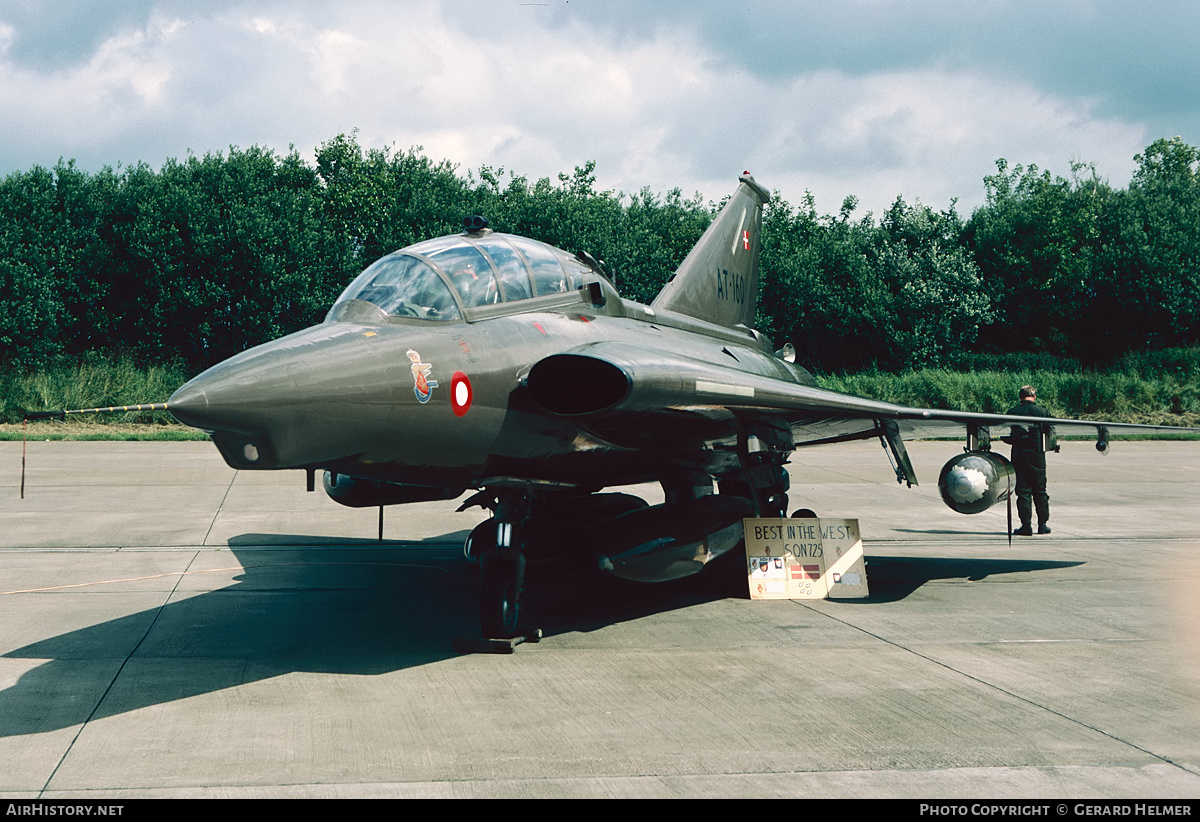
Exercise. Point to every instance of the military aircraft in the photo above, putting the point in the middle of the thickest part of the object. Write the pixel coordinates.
(490, 362)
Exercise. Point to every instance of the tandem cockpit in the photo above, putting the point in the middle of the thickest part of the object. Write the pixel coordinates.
(460, 277)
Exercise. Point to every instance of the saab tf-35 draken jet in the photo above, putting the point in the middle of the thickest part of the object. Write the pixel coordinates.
(491, 362)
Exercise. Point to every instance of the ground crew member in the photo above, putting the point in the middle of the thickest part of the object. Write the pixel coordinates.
(1029, 461)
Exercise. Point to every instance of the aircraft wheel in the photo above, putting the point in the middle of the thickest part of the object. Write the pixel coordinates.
(499, 609)
(804, 513)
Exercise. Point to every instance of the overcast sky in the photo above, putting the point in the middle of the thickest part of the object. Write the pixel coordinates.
(870, 98)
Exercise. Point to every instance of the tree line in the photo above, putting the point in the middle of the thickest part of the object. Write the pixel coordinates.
(211, 255)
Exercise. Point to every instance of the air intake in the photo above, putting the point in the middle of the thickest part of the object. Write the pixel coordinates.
(572, 384)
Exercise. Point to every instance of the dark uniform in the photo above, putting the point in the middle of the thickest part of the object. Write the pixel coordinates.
(1029, 461)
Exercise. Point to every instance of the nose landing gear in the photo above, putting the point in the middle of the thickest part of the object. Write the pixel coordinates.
(500, 600)
(497, 544)
(503, 573)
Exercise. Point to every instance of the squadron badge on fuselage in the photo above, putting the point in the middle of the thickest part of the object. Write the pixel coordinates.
(422, 385)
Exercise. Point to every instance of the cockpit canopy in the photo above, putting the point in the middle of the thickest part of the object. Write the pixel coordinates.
(440, 279)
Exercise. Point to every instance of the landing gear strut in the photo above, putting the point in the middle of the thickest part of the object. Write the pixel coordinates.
(762, 452)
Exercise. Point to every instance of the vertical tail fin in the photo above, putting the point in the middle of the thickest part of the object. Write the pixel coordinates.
(718, 280)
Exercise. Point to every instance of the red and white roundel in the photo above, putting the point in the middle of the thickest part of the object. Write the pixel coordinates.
(461, 393)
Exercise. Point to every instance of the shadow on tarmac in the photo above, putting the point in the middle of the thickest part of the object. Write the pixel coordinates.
(893, 578)
(352, 607)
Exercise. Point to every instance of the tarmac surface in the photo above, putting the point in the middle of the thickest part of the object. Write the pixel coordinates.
(172, 628)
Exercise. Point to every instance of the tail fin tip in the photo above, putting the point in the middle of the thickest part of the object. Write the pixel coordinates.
(718, 280)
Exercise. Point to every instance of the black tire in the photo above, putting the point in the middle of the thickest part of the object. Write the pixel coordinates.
(499, 601)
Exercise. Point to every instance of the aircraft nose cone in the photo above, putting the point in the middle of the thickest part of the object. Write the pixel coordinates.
(222, 399)
(241, 403)
(188, 397)
(189, 402)
(287, 402)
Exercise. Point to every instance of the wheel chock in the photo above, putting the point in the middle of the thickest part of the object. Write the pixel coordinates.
(484, 645)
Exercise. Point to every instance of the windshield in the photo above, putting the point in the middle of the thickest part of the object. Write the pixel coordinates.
(405, 287)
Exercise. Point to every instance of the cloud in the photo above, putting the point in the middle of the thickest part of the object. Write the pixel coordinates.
(857, 98)
(51, 36)
(929, 135)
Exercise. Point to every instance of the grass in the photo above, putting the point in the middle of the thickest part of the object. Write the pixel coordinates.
(82, 430)
(93, 383)
(1159, 388)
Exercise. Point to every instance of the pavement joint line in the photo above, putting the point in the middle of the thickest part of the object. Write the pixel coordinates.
(117, 675)
(220, 506)
(180, 574)
(187, 573)
(995, 687)
(232, 789)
